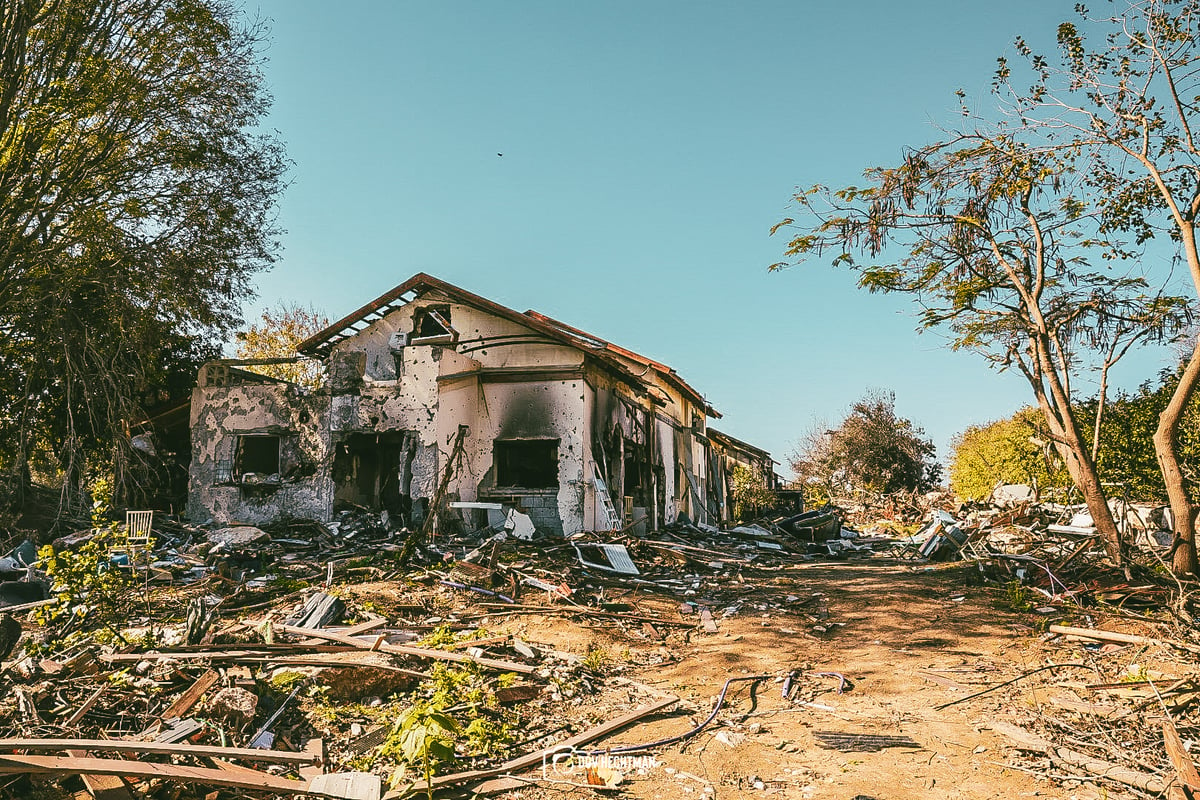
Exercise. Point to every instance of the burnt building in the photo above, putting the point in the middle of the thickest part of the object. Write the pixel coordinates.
(430, 388)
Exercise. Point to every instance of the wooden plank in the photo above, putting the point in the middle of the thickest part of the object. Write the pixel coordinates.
(706, 619)
(1030, 741)
(1122, 638)
(497, 785)
(463, 645)
(86, 707)
(127, 746)
(352, 785)
(1150, 783)
(1070, 701)
(535, 758)
(102, 787)
(316, 749)
(1020, 737)
(189, 698)
(27, 606)
(338, 664)
(263, 781)
(1181, 759)
(583, 611)
(353, 630)
(236, 769)
(406, 650)
(223, 655)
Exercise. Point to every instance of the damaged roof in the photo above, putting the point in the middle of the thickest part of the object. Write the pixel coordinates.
(614, 357)
(587, 341)
(737, 444)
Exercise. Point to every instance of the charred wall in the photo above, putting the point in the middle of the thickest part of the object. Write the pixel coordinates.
(260, 451)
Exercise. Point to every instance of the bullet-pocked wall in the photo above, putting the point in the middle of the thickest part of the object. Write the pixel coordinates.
(434, 365)
(547, 416)
(260, 451)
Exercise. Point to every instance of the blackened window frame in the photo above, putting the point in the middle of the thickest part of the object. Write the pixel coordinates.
(516, 463)
(258, 451)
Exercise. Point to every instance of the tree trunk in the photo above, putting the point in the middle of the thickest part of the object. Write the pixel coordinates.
(1083, 472)
(1071, 444)
(1166, 447)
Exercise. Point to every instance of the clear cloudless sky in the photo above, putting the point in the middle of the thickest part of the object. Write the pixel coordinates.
(647, 148)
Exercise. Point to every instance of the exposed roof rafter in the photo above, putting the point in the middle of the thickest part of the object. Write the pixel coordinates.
(610, 356)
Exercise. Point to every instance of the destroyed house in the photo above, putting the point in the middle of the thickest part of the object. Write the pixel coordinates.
(435, 394)
(728, 454)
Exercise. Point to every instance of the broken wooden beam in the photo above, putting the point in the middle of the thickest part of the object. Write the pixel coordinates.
(102, 787)
(189, 698)
(12, 764)
(1181, 759)
(1121, 638)
(127, 746)
(84, 708)
(332, 664)
(584, 611)
(315, 748)
(353, 630)
(221, 655)
(407, 650)
(1028, 740)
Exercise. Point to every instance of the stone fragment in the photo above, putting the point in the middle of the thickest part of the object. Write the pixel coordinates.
(239, 536)
(234, 705)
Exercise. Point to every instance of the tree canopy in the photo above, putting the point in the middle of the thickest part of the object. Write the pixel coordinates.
(1126, 453)
(1011, 450)
(873, 451)
(998, 246)
(276, 335)
(1123, 95)
(137, 196)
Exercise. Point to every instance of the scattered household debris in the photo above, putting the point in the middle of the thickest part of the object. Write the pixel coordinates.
(273, 658)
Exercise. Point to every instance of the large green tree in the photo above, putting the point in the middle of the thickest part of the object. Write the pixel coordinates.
(995, 242)
(1010, 450)
(1124, 93)
(136, 201)
(874, 451)
(1126, 453)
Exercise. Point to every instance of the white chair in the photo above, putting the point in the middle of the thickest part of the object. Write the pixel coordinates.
(136, 541)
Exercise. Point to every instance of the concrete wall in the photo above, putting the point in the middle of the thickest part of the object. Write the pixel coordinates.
(220, 414)
(530, 410)
(505, 381)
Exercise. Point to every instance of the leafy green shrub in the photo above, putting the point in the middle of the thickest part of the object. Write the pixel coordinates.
(423, 738)
(84, 580)
(457, 714)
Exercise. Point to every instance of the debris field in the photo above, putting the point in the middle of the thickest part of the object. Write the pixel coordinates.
(971, 653)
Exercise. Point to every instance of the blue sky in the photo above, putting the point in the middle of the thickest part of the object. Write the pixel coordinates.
(647, 147)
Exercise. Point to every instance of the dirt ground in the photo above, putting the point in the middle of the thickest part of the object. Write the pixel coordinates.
(884, 626)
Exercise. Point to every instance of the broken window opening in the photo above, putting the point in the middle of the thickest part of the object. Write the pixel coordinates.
(374, 471)
(526, 463)
(258, 455)
(431, 325)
